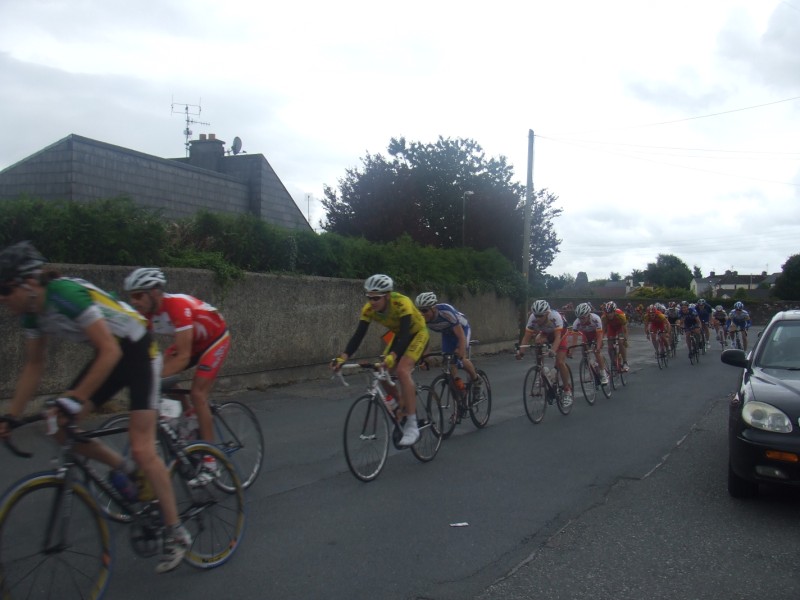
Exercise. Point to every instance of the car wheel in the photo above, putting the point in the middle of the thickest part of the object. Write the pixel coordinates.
(739, 487)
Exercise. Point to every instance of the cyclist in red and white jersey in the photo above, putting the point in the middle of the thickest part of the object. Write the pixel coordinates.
(590, 327)
(548, 326)
(201, 339)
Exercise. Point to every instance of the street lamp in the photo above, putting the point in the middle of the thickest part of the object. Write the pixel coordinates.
(464, 215)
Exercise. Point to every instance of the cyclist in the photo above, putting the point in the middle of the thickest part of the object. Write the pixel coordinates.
(740, 319)
(704, 311)
(591, 328)
(408, 341)
(690, 322)
(548, 326)
(454, 327)
(719, 316)
(657, 330)
(125, 356)
(615, 323)
(200, 339)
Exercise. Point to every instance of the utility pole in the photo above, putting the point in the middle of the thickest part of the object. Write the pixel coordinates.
(526, 231)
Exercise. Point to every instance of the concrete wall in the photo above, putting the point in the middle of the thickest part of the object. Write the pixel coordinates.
(284, 328)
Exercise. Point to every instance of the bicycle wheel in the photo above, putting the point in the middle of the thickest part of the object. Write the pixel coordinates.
(52, 546)
(565, 409)
(480, 406)
(366, 438)
(534, 395)
(448, 402)
(589, 382)
(613, 365)
(429, 420)
(621, 371)
(692, 350)
(238, 434)
(213, 511)
(606, 388)
(659, 360)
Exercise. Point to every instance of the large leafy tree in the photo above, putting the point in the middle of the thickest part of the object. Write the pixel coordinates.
(787, 284)
(668, 271)
(445, 194)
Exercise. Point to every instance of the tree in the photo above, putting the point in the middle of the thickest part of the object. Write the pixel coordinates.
(787, 285)
(613, 276)
(423, 190)
(697, 273)
(637, 275)
(668, 271)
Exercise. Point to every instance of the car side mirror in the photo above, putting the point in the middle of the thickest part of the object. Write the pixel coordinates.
(736, 358)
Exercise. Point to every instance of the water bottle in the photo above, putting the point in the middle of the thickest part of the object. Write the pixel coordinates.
(124, 485)
(550, 374)
(187, 425)
(460, 386)
(391, 403)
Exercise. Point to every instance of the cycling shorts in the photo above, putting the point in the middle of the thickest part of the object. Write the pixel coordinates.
(657, 327)
(416, 346)
(450, 341)
(210, 360)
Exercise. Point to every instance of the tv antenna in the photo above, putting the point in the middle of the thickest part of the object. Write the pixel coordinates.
(189, 111)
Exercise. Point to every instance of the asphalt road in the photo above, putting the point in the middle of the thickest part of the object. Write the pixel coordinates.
(625, 499)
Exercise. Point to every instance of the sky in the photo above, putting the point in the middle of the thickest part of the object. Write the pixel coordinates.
(662, 127)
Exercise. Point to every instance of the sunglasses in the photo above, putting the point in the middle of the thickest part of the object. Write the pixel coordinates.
(374, 298)
(425, 310)
(6, 289)
(138, 295)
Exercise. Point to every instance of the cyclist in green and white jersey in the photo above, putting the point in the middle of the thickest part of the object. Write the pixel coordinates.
(125, 356)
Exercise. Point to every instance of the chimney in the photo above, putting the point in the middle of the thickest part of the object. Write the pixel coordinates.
(711, 274)
(207, 153)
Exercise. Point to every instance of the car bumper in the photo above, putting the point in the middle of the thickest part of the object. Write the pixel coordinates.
(761, 456)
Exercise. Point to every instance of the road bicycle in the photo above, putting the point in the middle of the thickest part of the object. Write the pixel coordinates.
(615, 362)
(663, 351)
(55, 539)
(736, 337)
(370, 424)
(475, 401)
(590, 373)
(694, 346)
(703, 341)
(237, 431)
(674, 339)
(543, 386)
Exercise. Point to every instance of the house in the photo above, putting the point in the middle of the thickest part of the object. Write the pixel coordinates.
(81, 169)
(724, 286)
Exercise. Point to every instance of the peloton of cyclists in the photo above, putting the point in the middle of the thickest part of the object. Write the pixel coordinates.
(738, 318)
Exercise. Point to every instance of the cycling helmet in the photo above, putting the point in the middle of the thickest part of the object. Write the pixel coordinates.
(610, 306)
(692, 305)
(701, 302)
(684, 303)
(718, 307)
(738, 306)
(672, 305)
(425, 300)
(20, 261)
(146, 278)
(539, 307)
(660, 307)
(583, 310)
(379, 284)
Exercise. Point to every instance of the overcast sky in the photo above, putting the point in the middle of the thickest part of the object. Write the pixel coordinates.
(662, 127)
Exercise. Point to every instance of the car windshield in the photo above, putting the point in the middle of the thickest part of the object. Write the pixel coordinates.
(781, 348)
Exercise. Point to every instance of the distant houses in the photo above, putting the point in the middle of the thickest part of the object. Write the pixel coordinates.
(724, 286)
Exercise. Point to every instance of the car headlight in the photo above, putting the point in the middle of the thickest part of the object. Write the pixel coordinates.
(766, 417)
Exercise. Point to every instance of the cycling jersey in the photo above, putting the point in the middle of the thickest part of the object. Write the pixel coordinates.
(446, 320)
(553, 323)
(689, 319)
(614, 322)
(720, 315)
(180, 312)
(739, 318)
(399, 309)
(657, 322)
(704, 312)
(588, 328)
(673, 314)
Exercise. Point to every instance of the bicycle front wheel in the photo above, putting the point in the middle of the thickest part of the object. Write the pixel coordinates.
(366, 438)
(448, 402)
(480, 401)
(534, 395)
(52, 545)
(613, 365)
(211, 509)
(429, 421)
(238, 434)
(589, 382)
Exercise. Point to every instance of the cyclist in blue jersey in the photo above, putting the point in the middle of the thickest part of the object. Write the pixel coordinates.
(454, 327)
(691, 323)
(704, 311)
(125, 356)
(739, 319)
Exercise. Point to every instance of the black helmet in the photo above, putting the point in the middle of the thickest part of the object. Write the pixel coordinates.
(20, 261)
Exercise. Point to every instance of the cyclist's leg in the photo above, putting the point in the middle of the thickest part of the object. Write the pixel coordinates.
(408, 390)
(208, 364)
(142, 433)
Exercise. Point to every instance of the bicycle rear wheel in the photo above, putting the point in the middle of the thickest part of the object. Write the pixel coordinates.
(613, 365)
(448, 402)
(238, 434)
(480, 406)
(366, 438)
(212, 511)
(564, 408)
(534, 395)
(429, 420)
(588, 381)
(52, 546)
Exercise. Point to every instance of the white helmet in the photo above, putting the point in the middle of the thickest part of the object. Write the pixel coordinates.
(145, 278)
(539, 307)
(379, 284)
(583, 309)
(425, 300)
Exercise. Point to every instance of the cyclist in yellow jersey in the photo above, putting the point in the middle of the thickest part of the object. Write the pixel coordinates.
(410, 337)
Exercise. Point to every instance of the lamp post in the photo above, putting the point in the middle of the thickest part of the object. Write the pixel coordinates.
(464, 216)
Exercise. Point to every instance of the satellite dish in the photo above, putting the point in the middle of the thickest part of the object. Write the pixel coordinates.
(237, 145)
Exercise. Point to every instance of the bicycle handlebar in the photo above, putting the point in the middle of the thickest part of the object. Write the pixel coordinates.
(379, 371)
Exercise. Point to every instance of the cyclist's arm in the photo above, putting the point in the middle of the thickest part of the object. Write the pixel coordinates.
(30, 376)
(107, 354)
(403, 337)
(178, 360)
